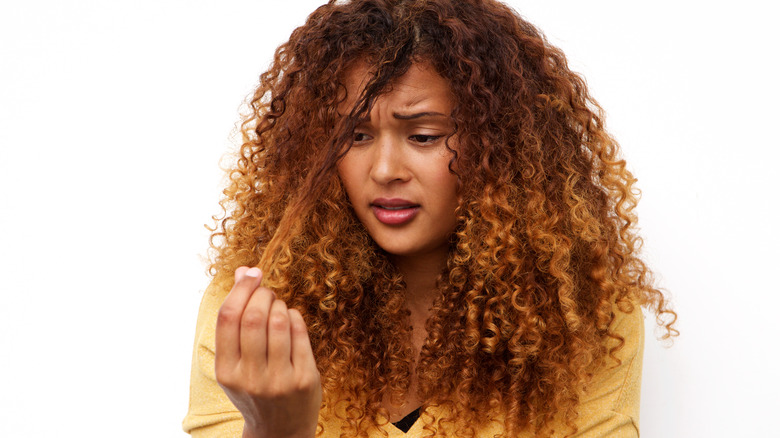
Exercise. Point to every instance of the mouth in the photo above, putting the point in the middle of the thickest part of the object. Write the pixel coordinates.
(394, 211)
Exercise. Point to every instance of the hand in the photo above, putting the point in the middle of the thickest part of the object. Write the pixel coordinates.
(264, 361)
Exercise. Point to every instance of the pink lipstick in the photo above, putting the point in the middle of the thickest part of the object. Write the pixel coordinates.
(394, 211)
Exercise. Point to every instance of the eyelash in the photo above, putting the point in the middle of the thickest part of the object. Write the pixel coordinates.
(428, 139)
(356, 137)
(418, 138)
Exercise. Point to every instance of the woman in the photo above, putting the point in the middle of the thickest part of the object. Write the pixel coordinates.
(441, 237)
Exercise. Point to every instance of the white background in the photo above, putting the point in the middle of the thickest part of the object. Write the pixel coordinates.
(114, 116)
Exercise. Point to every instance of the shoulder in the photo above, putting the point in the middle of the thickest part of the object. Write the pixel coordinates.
(610, 404)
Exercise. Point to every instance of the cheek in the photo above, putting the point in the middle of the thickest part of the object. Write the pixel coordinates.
(348, 177)
(444, 191)
(446, 181)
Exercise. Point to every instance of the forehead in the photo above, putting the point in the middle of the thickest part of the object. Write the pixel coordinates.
(419, 84)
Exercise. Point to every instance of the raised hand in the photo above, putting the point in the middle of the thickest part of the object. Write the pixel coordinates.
(264, 361)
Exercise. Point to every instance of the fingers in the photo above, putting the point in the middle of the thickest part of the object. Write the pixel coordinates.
(254, 328)
(279, 337)
(228, 330)
(302, 355)
(258, 330)
(240, 272)
(264, 360)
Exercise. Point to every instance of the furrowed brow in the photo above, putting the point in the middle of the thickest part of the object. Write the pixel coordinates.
(417, 115)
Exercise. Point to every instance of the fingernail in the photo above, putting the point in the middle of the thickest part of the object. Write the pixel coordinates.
(253, 272)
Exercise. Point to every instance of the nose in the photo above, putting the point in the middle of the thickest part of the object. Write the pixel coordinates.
(389, 161)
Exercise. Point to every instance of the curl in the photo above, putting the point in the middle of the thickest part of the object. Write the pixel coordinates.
(544, 253)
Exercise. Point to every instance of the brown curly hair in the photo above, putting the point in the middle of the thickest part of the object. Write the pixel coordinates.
(544, 252)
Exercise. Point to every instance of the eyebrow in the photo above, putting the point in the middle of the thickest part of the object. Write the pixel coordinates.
(414, 116)
(417, 115)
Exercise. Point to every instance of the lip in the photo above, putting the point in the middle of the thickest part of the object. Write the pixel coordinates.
(394, 211)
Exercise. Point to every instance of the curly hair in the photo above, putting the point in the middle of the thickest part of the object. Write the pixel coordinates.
(544, 252)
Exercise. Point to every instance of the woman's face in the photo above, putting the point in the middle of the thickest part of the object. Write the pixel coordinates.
(396, 173)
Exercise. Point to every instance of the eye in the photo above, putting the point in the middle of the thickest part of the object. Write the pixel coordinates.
(424, 139)
(358, 137)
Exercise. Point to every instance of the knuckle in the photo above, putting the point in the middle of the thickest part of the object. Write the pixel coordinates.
(228, 315)
(253, 320)
(254, 383)
(278, 321)
(276, 392)
(299, 329)
(258, 389)
(307, 377)
(308, 382)
(224, 378)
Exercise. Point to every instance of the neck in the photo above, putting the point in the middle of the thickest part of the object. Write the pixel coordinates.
(419, 273)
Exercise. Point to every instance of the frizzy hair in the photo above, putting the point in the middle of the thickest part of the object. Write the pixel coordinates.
(544, 253)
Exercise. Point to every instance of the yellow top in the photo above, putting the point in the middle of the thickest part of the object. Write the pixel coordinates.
(609, 409)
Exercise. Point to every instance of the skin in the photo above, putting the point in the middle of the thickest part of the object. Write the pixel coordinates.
(264, 361)
(400, 152)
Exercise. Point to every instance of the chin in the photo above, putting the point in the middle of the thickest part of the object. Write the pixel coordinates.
(408, 251)
(394, 248)
(397, 251)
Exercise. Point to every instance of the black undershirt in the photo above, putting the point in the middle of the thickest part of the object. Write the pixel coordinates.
(404, 424)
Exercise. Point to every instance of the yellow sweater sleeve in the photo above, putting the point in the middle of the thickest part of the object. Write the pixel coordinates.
(211, 413)
(610, 407)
